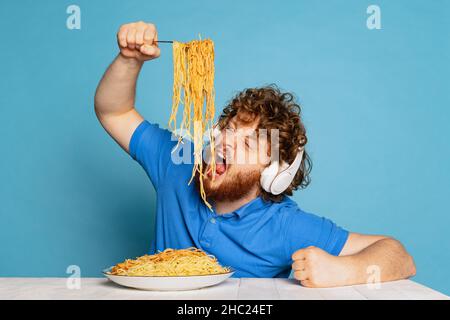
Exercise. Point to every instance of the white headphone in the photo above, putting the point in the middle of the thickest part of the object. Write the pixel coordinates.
(275, 178)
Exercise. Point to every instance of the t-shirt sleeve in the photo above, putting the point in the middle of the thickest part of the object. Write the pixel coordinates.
(306, 229)
(151, 147)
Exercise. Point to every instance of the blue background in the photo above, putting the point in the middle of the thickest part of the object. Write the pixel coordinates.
(376, 106)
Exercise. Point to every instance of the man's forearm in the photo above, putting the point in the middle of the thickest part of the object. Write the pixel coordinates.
(115, 96)
(315, 267)
(387, 255)
(117, 89)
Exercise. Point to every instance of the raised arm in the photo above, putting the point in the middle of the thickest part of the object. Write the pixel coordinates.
(115, 96)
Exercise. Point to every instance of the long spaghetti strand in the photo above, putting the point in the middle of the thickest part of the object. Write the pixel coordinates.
(193, 86)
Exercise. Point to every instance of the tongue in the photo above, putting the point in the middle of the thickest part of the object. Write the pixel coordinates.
(220, 168)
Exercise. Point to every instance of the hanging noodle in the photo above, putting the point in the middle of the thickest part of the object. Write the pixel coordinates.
(171, 262)
(193, 86)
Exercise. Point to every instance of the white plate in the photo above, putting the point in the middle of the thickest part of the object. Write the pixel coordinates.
(169, 283)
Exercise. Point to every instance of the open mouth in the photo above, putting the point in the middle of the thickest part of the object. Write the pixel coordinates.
(221, 167)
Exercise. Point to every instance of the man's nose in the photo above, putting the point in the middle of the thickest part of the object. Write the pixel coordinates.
(228, 142)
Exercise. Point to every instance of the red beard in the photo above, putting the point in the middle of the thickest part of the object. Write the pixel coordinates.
(235, 185)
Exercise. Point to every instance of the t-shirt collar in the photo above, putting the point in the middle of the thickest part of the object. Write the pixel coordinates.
(250, 207)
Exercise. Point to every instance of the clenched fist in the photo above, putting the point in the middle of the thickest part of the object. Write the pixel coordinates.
(315, 267)
(138, 40)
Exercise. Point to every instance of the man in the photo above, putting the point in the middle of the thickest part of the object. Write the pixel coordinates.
(251, 228)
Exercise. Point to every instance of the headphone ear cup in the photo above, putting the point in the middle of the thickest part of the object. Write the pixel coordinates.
(268, 175)
(216, 132)
(281, 182)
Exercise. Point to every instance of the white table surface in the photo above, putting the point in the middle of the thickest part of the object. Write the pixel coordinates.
(231, 289)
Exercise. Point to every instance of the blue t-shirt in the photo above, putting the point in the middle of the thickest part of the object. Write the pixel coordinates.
(257, 240)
